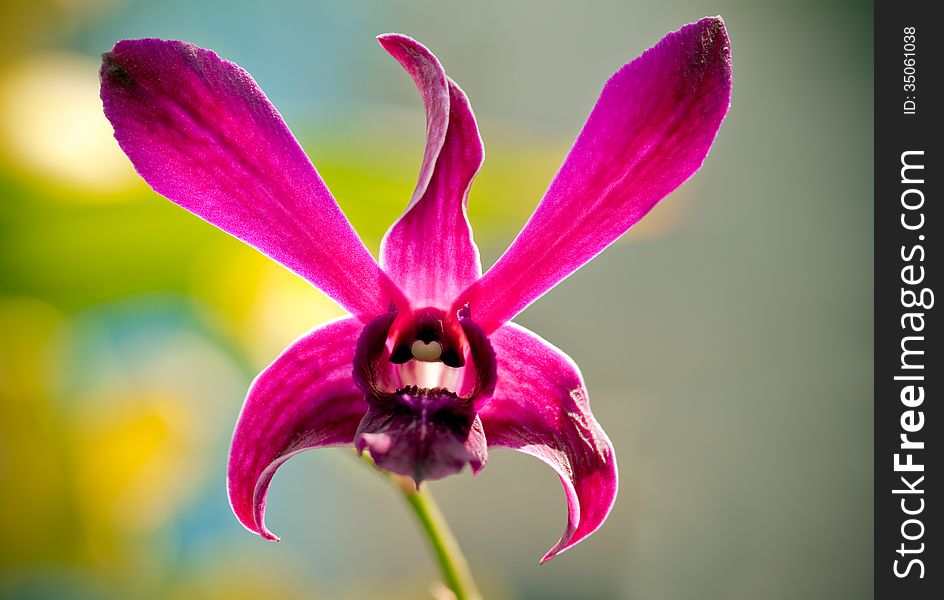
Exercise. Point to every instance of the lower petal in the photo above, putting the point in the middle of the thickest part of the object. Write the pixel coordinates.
(423, 434)
(305, 399)
(540, 407)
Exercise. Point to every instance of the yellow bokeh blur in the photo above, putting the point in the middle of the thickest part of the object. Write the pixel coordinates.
(52, 126)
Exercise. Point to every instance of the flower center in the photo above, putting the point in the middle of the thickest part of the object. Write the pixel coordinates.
(426, 349)
(425, 375)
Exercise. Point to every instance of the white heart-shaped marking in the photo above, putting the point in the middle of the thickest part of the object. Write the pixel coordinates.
(426, 352)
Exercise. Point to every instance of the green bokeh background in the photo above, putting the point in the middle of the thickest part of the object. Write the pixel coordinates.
(726, 340)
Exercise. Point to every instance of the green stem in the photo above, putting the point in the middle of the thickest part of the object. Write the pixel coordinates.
(452, 563)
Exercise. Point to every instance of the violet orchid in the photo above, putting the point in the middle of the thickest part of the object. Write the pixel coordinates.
(428, 373)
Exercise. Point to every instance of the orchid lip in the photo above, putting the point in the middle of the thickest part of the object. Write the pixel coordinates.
(422, 433)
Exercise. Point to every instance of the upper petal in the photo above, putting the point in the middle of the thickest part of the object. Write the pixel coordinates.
(429, 251)
(649, 131)
(430, 78)
(200, 131)
(540, 407)
(305, 399)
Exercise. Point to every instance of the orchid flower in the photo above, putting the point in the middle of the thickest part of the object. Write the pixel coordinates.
(428, 373)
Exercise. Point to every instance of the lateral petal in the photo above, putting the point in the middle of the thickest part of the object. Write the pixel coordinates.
(305, 399)
(540, 407)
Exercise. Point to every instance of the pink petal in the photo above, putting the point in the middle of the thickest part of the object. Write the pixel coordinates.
(429, 251)
(649, 131)
(305, 399)
(430, 78)
(200, 131)
(540, 407)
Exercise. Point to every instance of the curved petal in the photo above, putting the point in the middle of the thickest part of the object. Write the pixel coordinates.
(540, 407)
(649, 131)
(429, 251)
(430, 78)
(200, 131)
(305, 399)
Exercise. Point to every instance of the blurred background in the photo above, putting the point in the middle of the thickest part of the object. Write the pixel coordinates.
(726, 340)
